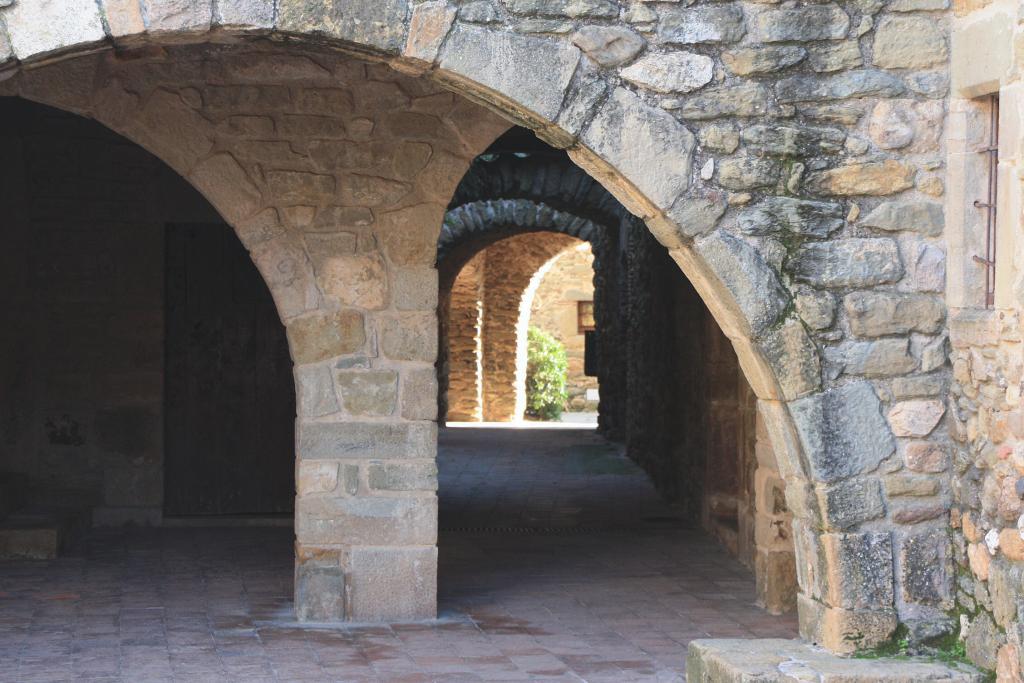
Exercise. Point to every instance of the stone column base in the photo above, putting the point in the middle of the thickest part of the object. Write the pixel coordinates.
(770, 660)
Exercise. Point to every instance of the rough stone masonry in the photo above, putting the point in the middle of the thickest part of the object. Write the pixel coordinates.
(793, 157)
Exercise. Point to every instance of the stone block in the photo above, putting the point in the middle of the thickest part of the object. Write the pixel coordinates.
(882, 358)
(368, 392)
(983, 54)
(314, 391)
(419, 394)
(746, 61)
(699, 25)
(839, 86)
(846, 504)
(675, 72)
(177, 16)
(608, 45)
(415, 289)
(507, 64)
(341, 440)
(854, 262)
(42, 26)
(244, 14)
(318, 337)
(811, 22)
(412, 336)
(744, 99)
(123, 17)
(844, 631)
(430, 24)
(925, 569)
(793, 357)
(382, 24)
(393, 584)
(319, 592)
(634, 138)
(366, 520)
(775, 574)
(909, 42)
(842, 431)
(753, 284)
(873, 178)
(792, 141)
(317, 476)
(916, 418)
(875, 314)
(748, 173)
(402, 476)
(915, 216)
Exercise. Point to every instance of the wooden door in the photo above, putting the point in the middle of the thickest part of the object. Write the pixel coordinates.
(229, 393)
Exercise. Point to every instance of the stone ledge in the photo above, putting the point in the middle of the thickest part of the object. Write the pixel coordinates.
(769, 660)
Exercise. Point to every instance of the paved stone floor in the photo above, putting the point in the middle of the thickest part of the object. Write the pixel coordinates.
(558, 562)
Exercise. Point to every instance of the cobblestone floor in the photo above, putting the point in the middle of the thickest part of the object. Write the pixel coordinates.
(558, 563)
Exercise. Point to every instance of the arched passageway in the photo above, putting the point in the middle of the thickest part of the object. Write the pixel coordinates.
(345, 237)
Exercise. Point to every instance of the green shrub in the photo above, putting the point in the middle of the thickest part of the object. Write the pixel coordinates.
(546, 367)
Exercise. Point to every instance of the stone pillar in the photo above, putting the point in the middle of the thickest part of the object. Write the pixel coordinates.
(465, 319)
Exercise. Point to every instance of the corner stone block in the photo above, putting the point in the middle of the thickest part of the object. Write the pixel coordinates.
(36, 27)
(365, 440)
(925, 569)
(366, 520)
(858, 570)
(842, 431)
(381, 24)
(846, 504)
(319, 592)
(393, 584)
(511, 66)
(646, 145)
(844, 631)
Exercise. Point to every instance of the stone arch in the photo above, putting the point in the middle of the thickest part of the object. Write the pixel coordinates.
(826, 436)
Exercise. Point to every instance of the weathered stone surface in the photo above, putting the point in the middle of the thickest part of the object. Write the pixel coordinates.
(791, 141)
(875, 314)
(891, 125)
(925, 456)
(909, 42)
(365, 520)
(829, 57)
(355, 280)
(244, 13)
(917, 216)
(842, 431)
(800, 217)
(567, 8)
(747, 99)
(745, 61)
(609, 45)
(673, 72)
(719, 137)
(177, 15)
(916, 418)
(846, 504)
(809, 22)
(36, 28)
(412, 336)
(315, 391)
(381, 440)
(882, 358)
(705, 24)
(854, 262)
(689, 217)
(840, 86)
(793, 357)
(393, 584)
(634, 137)
(870, 178)
(508, 64)
(755, 286)
(775, 660)
(428, 28)
(856, 570)
(419, 394)
(319, 592)
(983, 640)
(319, 337)
(381, 24)
(368, 392)
(902, 485)
(815, 307)
(402, 476)
(748, 173)
(479, 12)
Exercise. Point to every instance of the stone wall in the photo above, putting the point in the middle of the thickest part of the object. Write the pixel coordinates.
(570, 279)
(984, 404)
(462, 369)
(787, 156)
(81, 358)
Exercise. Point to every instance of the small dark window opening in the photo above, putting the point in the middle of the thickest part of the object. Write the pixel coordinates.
(989, 205)
(585, 317)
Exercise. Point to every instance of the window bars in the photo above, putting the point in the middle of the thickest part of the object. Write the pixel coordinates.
(989, 205)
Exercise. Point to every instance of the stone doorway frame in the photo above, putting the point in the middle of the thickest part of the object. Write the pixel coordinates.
(640, 153)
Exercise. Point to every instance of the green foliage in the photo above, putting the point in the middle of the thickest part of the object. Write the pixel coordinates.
(546, 368)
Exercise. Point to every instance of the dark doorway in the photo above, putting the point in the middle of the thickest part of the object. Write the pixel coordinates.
(230, 397)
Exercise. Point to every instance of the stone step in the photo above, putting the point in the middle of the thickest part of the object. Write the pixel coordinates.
(40, 530)
(770, 660)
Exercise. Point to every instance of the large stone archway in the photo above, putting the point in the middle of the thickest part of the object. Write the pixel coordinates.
(339, 193)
